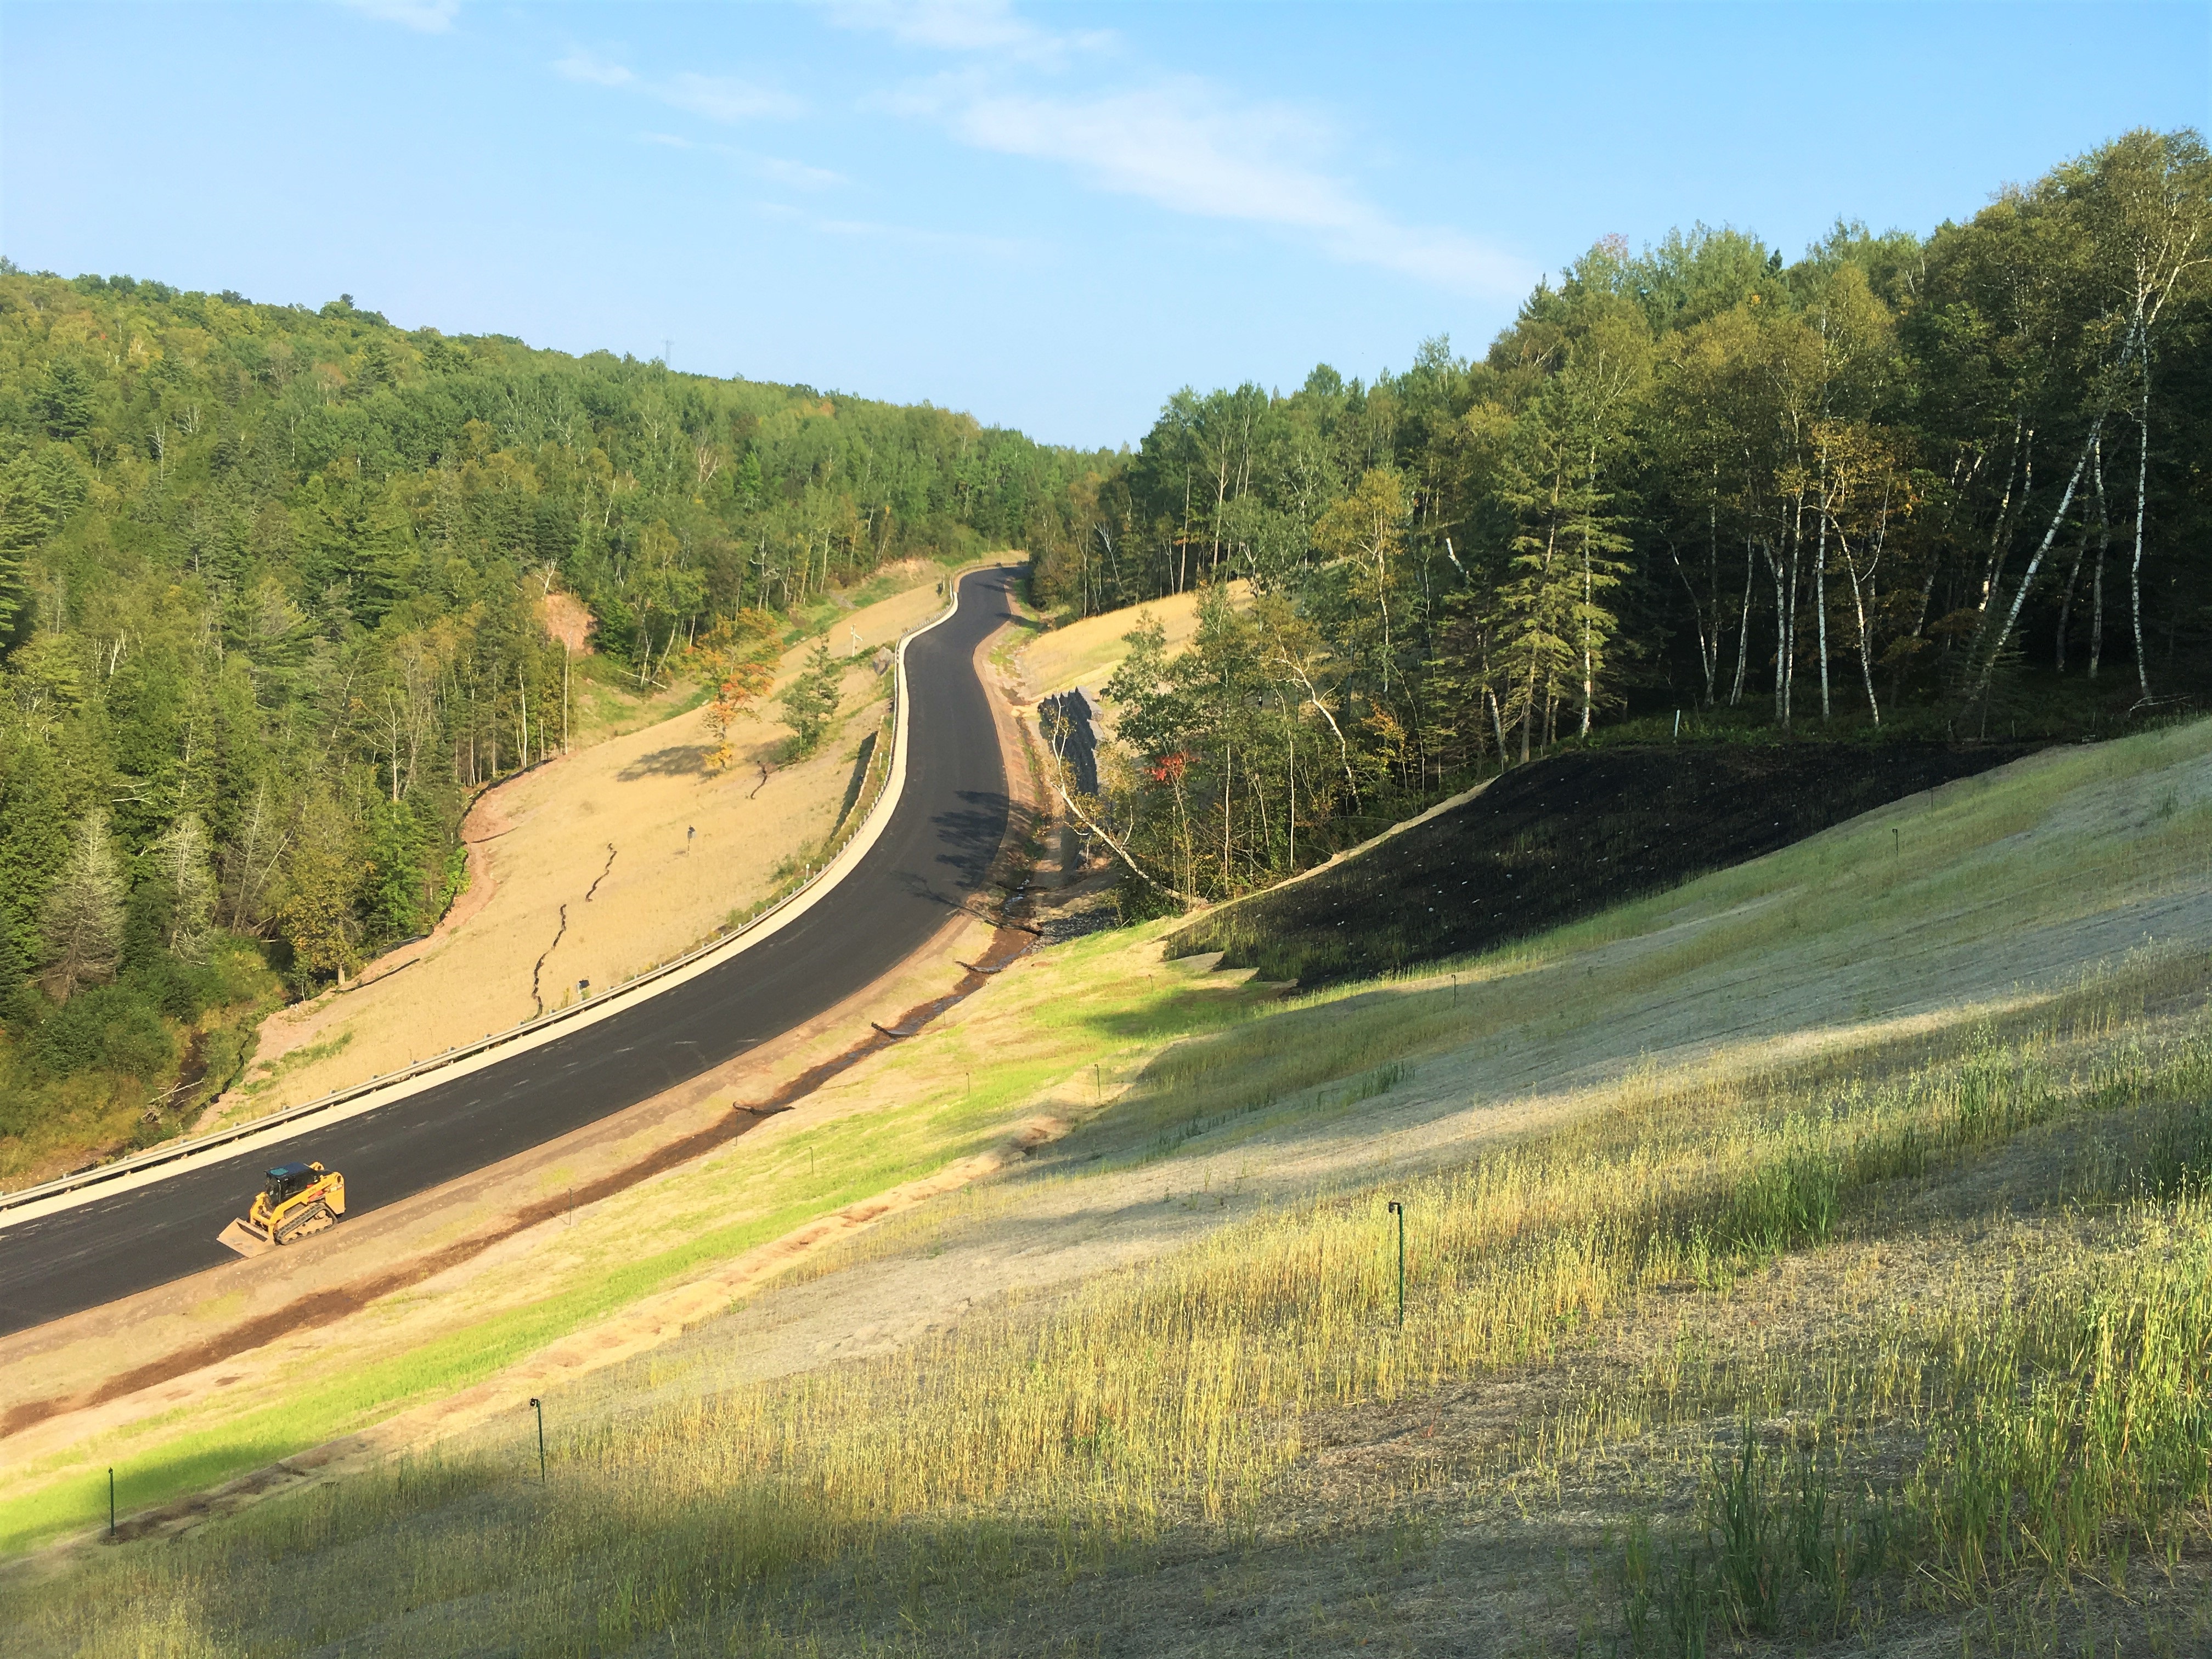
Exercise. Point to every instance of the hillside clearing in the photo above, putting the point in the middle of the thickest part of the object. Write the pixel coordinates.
(1086, 652)
(588, 868)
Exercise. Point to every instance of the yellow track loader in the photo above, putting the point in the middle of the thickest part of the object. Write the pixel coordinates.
(299, 1199)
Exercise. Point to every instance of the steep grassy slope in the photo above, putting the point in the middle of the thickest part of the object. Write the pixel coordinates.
(1817, 1251)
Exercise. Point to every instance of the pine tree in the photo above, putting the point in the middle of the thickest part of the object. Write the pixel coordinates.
(64, 401)
(83, 912)
(810, 702)
(34, 840)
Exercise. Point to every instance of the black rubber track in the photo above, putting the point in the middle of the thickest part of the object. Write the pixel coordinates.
(931, 858)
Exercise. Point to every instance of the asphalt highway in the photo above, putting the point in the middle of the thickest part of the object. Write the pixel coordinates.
(932, 858)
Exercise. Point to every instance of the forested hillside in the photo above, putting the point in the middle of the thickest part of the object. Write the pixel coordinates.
(271, 584)
(1956, 486)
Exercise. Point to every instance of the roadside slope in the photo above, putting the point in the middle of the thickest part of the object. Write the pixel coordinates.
(586, 868)
(1238, 1114)
(937, 841)
(1087, 652)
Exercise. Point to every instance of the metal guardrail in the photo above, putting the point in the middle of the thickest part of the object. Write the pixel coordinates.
(177, 1151)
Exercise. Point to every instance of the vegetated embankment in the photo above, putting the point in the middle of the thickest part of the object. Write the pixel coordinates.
(1563, 838)
(1815, 1253)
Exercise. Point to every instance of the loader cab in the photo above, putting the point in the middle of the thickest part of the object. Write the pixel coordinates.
(286, 1179)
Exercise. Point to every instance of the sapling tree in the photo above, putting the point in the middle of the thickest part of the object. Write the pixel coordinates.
(738, 655)
(810, 702)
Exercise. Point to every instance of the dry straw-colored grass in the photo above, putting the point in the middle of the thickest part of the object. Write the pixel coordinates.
(1086, 653)
(2051, 1426)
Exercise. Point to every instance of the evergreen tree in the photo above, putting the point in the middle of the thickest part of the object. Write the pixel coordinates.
(324, 876)
(810, 702)
(64, 399)
(83, 921)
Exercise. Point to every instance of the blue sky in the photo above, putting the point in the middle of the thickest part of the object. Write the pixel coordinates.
(1052, 217)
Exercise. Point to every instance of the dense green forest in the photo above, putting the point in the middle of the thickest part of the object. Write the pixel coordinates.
(273, 581)
(1954, 486)
(271, 584)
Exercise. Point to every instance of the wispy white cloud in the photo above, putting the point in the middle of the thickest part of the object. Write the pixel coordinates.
(974, 26)
(1191, 148)
(798, 174)
(721, 98)
(427, 16)
(998, 247)
(589, 67)
(923, 236)
(774, 169)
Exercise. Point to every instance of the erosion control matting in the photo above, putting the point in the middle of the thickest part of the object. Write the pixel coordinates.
(1563, 838)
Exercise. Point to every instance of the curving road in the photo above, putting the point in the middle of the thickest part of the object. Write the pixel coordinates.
(932, 855)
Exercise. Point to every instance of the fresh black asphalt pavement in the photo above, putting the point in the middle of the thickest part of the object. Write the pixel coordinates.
(932, 860)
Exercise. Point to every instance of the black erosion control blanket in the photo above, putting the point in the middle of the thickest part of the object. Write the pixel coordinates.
(1563, 838)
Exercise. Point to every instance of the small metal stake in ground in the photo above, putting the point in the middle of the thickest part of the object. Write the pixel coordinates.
(1399, 1209)
(111, 1503)
(538, 1406)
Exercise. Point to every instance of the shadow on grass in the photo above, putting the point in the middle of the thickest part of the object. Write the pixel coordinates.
(683, 760)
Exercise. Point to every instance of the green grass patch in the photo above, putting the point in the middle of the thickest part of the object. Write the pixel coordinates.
(813, 1174)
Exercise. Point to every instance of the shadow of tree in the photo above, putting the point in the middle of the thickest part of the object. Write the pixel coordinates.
(856, 782)
(683, 760)
(968, 840)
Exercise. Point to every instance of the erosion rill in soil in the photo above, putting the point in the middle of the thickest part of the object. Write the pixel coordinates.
(1563, 838)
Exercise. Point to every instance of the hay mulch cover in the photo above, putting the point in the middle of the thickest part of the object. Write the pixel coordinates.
(1563, 838)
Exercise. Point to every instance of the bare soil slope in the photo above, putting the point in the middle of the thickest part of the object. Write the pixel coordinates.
(1086, 653)
(593, 866)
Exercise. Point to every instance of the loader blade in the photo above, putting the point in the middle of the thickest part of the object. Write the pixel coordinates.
(248, 1241)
